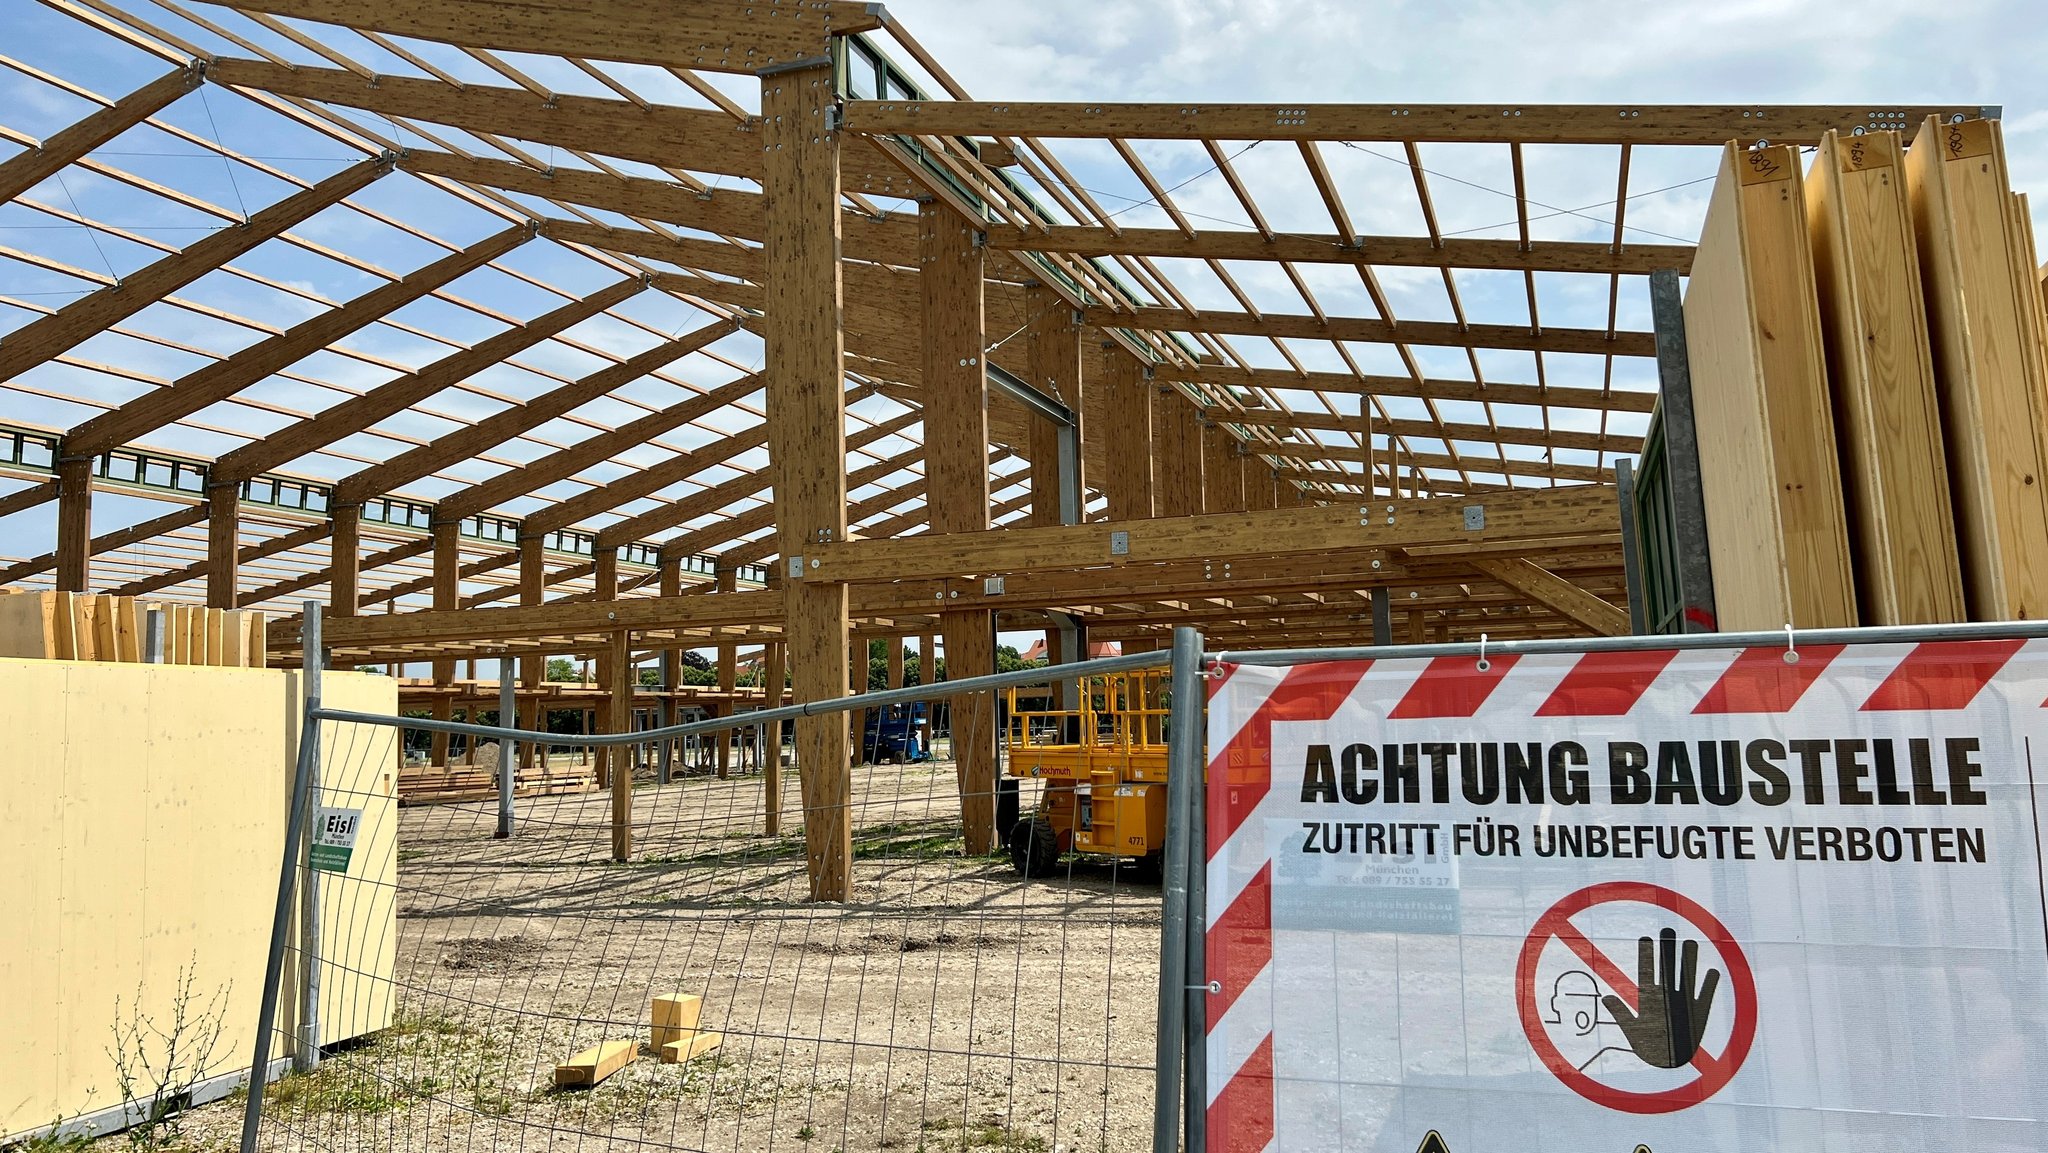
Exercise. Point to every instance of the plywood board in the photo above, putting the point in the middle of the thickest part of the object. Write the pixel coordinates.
(1984, 324)
(257, 625)
(594, 1064)
(127, 630)
(141, 839)
(1777, 527)
(28, 625)
(1881, 375)
(234, 640)
(74, 628)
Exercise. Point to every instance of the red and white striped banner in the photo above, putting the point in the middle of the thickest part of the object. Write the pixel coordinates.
(1703, 900)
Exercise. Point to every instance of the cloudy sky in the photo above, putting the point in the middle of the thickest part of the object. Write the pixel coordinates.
(1535, 51)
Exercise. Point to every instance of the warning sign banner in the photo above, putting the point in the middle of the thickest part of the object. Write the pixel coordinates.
(1713, 901)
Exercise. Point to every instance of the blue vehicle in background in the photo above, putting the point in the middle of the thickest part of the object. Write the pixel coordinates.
(896, 734)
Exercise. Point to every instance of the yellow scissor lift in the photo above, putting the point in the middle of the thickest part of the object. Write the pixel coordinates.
(1103, 766)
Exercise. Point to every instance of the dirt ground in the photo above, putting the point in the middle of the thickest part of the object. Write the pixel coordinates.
(951, 1006)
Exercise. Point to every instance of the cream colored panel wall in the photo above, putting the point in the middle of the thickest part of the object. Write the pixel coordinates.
(142, 812)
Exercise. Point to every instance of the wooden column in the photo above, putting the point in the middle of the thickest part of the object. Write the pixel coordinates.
(1258, 481)
(927, 659)
(805, 379)
(671, 671)
(892, 649)
(728, 670)
(345, 562)
(604, 577)
(773, 671)
(74, 524)
(956, 472)
(533, 584)
(1177, 443)
(1052, 352)
(1128, 437)
(620, 659)
(1222, 474)
(447, 598)
(223, 545)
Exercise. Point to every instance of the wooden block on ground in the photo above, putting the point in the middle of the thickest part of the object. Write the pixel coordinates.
(596, 1063)
(675, 1015)
(1985, 326)
(690, 1046)
(1881, 373)
(1777, 529)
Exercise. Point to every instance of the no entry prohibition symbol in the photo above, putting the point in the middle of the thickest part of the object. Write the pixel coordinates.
(1664, 1009)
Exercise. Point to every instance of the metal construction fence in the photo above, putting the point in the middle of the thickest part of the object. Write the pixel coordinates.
(960, 1001)
(953, 1003)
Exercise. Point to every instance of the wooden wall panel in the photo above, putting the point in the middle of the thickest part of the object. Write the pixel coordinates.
(1776, 525)
(1874, 325)
(1985, 326)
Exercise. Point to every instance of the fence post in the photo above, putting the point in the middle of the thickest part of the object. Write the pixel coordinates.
(507, 765)
(1195, 1094)
(307, 1058)
(281, 914)
(1183, 778)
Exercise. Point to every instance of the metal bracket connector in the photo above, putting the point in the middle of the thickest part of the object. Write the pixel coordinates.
(1475, 517)
(992, 586)
(796, 568)
(1119, 543)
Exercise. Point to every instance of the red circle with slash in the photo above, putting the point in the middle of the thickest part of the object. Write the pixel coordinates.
(1715, 1071)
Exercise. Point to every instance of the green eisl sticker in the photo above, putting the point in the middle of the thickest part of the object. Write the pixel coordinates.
(334, 838)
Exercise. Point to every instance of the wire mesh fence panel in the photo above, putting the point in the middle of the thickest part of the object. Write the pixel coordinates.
(542, 995)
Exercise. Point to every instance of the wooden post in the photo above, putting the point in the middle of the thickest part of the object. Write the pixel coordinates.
(1128, 436)
(1418, 626)
(1177, 439)
(728, 671)
(956, 472)
(1258, 481)
(74, 524)
(1222, 474)
(620, 659)
(671, 669)
(345, 562)
(893, 652)
(447, 597)
(805, 379)
(533, 577)
(223, 545)
(927, 659)
(604, 576)
(773, 673)
(1053, 356)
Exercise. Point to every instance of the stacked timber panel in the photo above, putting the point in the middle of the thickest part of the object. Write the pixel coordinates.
(1776, 524)
(1985, 322)
(1874, 321)
(87, 627)
(1902, 479)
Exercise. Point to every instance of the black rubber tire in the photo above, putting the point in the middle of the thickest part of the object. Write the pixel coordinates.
(1008, 803)
(1149, 869)
(1034, 848)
